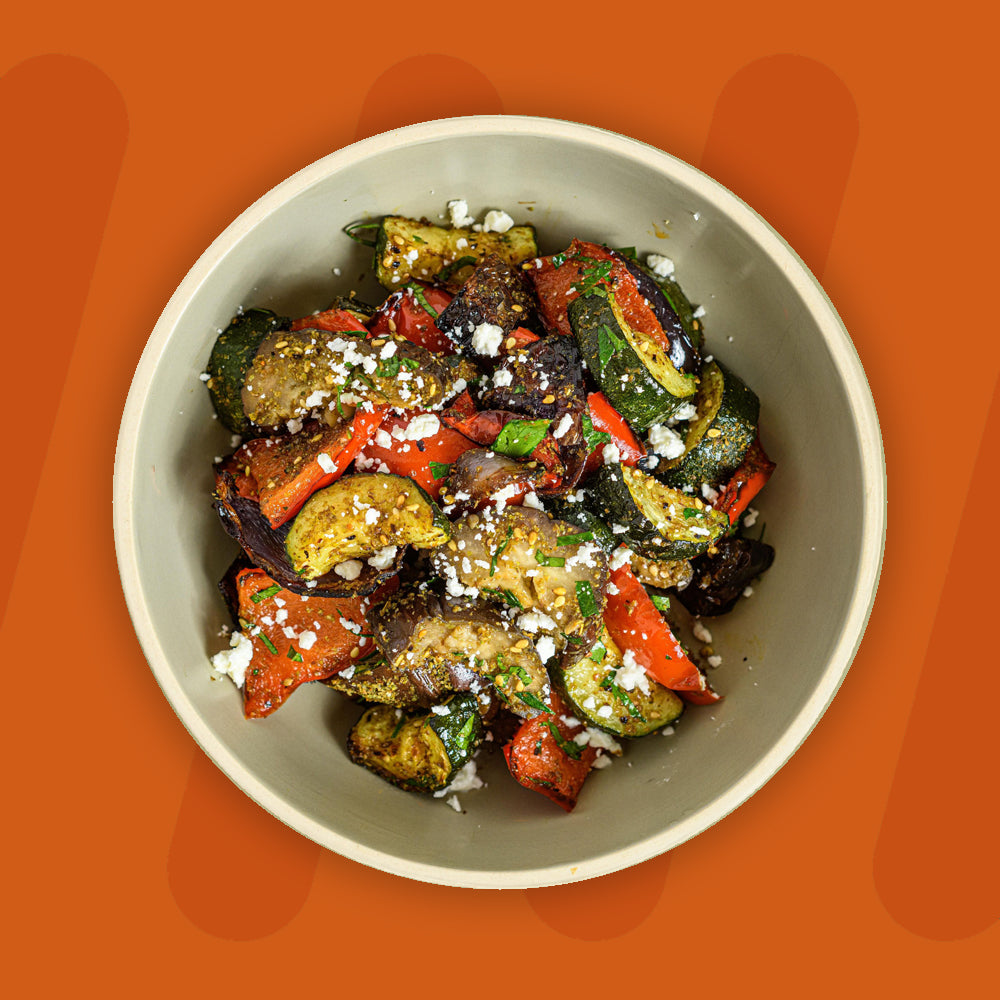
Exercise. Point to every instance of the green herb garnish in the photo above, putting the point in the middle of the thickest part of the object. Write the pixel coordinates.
(660, 602)
(418, 294)
(411, 363)
(499, 551)
(294, 654)
(583, 536)
(543, 560)
(608, 684)
(446, 272)
(598, 653)
(464, 736)
(388, 367)
(263, 595)
(507, 596)
(518, 438)
(608, 345)
(533, 701)
(439, 470)
(591, 434)
(267, 642)
(568, 747)
(356, 227)
(586, 600)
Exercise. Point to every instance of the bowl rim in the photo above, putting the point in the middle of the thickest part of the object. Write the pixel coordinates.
(845, 359)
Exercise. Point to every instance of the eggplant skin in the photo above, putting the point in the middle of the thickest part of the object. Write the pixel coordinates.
(683, 355)
(265, 547)
(720, 578)
(549, 369)
(495, 293)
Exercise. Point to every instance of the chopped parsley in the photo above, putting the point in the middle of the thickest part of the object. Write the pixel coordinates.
(507, 596)
(598, 653)
(608, 684)
(518, 438)
(267, 642)
(582, 536)
(294, 654)
(568, 747)
(586, 600)
(591, 434)
(440, 470)
(660, 602)
(533, 701)
(418, 294)
(499, 550)
(263, 595)
(608, 345)
(543, 560)
(446, 272)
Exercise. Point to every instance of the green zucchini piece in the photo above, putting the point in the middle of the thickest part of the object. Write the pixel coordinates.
(602, 691)
(336, 525)
(634, 373)
(720, 434)
(419, 751)
(231, 358)
(660, 522)
(586, 520)
(408, 249)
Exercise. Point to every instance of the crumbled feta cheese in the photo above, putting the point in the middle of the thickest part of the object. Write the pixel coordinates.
(466, 780)
(686, 411)
(388, 350)
(235, 660)
(423, 425)
(454, 803)
(601, 761)
(708, 493)
(750, 517)
(315, 398)
(563, 426)
(350, 569)
(503, 377)
(497, 221)
(536, 621)
(383, 438)
(458, 213)
(294, 425)
(631, 674)
(748, 591)
(620, 557)
(486, 339)
(665, 442)
(383, 558)
(611, 453)
(503, 495)
(701, 633)
(699, 312)
(326, 463)
(605, 711)
(715, 660)
(661, 266)
(545, 648)
(440, 709)
(531, 500)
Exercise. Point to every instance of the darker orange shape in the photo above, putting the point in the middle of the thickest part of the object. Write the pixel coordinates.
(65, 127)
(936, 861)
(602, 908)
(235, 871)
(425, 87)
(782, 138)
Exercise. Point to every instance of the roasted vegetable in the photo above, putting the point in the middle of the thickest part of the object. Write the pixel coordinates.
(661, 523)
(721, 577)
(635, 375)
(654, 573)
(296, 372)
(718, 437)
(232, 356)
(496, 295)
(265, 546)
(410, 313)
(442, 641)
(605, 691)
(366, 516)
(527, 560)
(408, 249)
(745, 483)
(603, 425)
(478, 474)
(421, 751)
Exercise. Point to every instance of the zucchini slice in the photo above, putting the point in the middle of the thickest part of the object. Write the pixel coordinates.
(233, 354)
(637, 377)
(657, 573)
(719, 436)
(407, 249)
(586, 520)
(362, 516)
(621, 699)
(420, 751)
(660, 523)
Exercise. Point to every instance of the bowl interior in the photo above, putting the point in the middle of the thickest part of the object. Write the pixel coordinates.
(785, 649)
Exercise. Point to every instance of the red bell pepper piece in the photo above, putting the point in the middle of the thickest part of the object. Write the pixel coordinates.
(280, 664)
(288, 471)
(332, 320)
(635, 623)
(522, 338)
(559, 280)
(545, 762)
(746, 482)
(420, 460)
(606, 418)
(404, 314)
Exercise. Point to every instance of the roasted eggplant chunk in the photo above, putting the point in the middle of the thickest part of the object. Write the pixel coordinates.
(720, 578)
(477, 474)
(528, 561)
(231, 358)
(441, 641)
(417, 751)
(366, 516)
(620, 698)
(296, 372)
(407, 249)
(661, 523)
(242, 519)
(543, 380)
(496, 294)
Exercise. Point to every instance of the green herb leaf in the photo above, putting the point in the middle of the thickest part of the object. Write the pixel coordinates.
(593, 273)
(533, 701)
(417, 239)
(267, 642)
(263, 595)
(660, 602)
(583, 536)
(464, 736)
(543, 560)
(359, 227)
(609, 344)
(558, 259)
(619, 695)
(439, 470)
(499, 551)
(690, 512)
(388, 367)
(627, 252)
(518, 438)
(591, 434)
(586, 600)
(411, 363)
(568, 747)
(294, 654)
(507, 596)
(418, 294)
(598, 653)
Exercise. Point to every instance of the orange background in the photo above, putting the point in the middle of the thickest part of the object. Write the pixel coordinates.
(133, 137)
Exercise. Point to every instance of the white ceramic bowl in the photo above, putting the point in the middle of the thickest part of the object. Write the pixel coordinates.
(824, 507)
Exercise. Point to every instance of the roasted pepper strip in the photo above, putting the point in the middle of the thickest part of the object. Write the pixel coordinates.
(636, 624)
(281, 663)
(331, 320)
(410, 313)
(607, 420)
(746, 482)
(544, 762)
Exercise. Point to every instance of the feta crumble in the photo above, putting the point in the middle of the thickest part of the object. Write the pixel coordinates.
(661, 266)
(667, 443)
(350, 569)
(497, 221)
(234, 661)
(486, 339)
